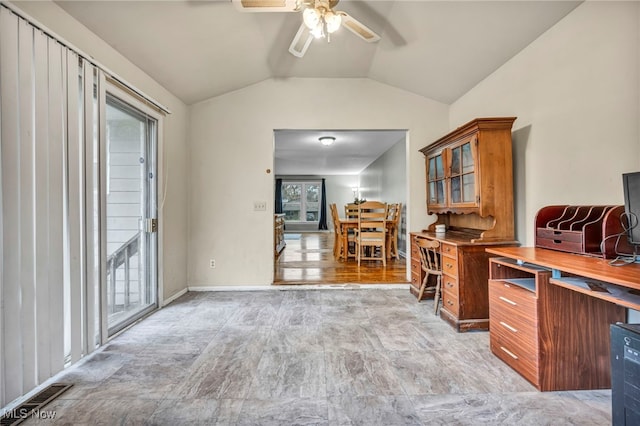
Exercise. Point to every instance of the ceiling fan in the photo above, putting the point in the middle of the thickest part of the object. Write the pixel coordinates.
(319, 19)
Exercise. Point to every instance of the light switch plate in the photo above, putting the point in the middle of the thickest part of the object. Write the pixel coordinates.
(259, 206)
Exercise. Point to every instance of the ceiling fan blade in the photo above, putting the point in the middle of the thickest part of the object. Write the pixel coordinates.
(358, 28)
(301, 42)
(267, 5)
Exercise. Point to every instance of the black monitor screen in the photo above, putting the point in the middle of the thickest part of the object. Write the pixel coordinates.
(631, 185)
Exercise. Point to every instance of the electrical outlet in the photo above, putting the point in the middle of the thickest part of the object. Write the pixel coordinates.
(212, 263)
(259, 206)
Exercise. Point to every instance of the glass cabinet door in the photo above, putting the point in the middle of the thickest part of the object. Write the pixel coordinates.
(436, 181)
(463, 182)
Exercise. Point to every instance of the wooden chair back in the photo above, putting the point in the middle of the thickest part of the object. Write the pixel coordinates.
(395, 211)
(371, 232)
(430, 263)
(351, 211)
(430, 256)
(337, 231)
(334, 217)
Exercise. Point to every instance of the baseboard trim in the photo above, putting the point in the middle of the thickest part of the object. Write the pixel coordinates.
(346, 286)
(184, 291)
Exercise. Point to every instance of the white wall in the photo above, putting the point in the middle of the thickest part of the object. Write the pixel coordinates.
(174, 165)
(339, 191)
(231, 148)
(575, 91)
(386, 179)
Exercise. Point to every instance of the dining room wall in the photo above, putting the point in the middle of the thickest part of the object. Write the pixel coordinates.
(386, 180)
(340, 192)
(231, 156)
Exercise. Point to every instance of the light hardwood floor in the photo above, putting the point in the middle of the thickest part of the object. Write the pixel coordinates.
(309, 260)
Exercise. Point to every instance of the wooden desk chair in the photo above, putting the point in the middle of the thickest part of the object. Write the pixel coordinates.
(430, 263)
(395, 211)
(371, 231)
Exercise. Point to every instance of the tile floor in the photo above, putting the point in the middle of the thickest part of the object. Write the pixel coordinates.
(308, 357)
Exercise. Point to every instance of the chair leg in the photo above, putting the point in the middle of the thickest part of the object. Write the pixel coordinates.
(384, 255)
(436, 296)
(423, 287)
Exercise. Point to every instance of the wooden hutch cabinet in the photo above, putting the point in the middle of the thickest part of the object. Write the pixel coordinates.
(469, 183)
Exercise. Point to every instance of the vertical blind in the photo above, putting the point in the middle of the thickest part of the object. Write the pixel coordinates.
(50, 222)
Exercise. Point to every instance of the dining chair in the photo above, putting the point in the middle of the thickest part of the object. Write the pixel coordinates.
(351, 211)
(339, 250)
(370, 235)
(337, 235)
(430, 263)
(395, 211)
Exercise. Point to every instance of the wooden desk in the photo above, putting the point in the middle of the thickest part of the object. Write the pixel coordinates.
(465, 266)
(550, 314)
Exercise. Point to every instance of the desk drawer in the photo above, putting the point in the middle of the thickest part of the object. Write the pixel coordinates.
(450, 266)
(415, 265)
(450, 285)
(520, 358)
(517, 328)
(449, 250)
(415, 280)
(415, 252)
(512, 297)
(450, 303)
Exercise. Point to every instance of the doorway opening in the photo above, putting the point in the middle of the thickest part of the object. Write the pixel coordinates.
(357, 165)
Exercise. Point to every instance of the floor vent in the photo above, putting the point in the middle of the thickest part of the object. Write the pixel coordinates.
(31, 408)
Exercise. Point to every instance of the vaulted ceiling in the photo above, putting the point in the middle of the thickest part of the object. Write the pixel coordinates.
(198, 49)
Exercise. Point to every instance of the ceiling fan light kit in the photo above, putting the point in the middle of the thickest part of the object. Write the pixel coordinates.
(319, 19)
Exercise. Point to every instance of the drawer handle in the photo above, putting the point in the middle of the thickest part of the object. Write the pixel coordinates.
(449, 265)
(508, 352)
(505, 325)
(504, 299)
(449, 284)
(449, 302)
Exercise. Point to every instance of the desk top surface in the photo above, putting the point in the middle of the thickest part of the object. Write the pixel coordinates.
(461, 238)
(584, 266)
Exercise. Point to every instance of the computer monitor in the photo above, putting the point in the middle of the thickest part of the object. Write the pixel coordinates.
(631, 185)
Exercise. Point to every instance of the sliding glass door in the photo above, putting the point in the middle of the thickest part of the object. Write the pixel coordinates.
(131, 213)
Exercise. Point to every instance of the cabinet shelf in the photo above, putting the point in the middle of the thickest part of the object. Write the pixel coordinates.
(526, 283)
(623, 296)
(520, 264)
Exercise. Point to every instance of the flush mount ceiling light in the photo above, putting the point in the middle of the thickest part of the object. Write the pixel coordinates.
(327, 140)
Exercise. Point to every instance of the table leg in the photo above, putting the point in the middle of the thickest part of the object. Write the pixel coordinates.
(345, 243)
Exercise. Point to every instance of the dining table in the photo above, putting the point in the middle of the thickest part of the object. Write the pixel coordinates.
(347, 224)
